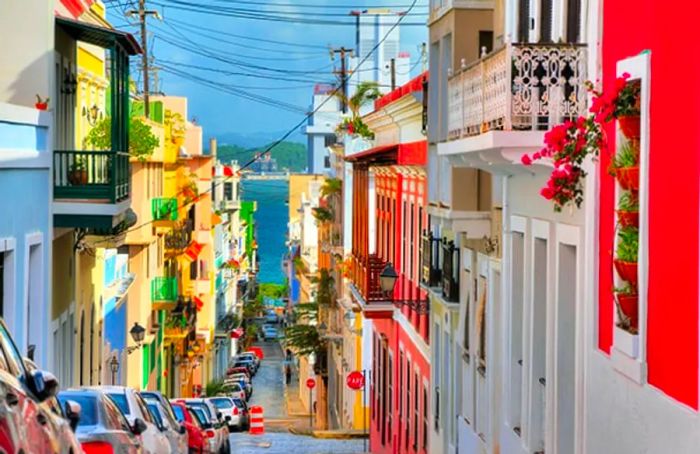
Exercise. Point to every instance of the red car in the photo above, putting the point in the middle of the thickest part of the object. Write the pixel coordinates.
(196, 437)
(238, 370)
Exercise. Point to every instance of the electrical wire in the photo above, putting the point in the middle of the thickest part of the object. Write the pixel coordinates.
(270, 147)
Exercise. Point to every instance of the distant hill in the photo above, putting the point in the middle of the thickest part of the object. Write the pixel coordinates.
(289, 155)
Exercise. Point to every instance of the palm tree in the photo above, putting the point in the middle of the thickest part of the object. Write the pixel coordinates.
(365, 92)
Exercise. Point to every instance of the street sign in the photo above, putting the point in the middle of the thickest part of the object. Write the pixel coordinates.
(310, 383)
(355, 380)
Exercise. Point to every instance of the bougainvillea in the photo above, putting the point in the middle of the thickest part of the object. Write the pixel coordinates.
(569, 144)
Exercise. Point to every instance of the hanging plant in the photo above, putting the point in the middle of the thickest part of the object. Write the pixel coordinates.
(322, 214)
(331, 186)
(628, 210)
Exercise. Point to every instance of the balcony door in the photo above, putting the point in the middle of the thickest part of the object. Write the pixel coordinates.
(544, 21)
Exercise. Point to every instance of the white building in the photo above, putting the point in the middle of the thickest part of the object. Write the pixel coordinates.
(320, 130)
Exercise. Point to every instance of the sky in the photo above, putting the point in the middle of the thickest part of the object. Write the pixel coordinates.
(223, 55)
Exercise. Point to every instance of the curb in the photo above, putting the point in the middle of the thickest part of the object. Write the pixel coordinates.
(327, 435)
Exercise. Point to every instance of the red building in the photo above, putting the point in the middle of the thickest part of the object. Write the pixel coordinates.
(388, 205)
(643, 390)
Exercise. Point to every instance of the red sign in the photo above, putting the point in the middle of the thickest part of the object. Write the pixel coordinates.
(311, 383)
(355, 380)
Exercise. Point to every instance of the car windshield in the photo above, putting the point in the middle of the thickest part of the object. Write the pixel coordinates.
(153, 409)
(201, 416)
(120, 400)
(179, 414)
(202, 407)
(222, 402)
(88, 407)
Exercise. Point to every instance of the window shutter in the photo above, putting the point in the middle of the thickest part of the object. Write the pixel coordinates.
(573, 21)
(546, 15)
(523, 21)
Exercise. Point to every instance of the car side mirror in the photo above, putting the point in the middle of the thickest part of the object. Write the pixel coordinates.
(138, 427)
(183, 429)
(73, 411)
(45, 384)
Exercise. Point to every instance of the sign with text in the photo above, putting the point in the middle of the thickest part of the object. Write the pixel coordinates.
(355, 380)
(310, 383)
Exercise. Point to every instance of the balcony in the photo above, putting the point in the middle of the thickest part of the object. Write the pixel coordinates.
(92, 187)
(164, 293)
(181, 321)
(507, 99)
(366, 289)
(229, 205)
(450, 271)
(431, 274)
(179, 238)
(164, 209)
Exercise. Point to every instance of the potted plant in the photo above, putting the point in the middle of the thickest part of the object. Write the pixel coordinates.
(627, 110)
(41, 104)
(626, 300)
(626, 254)
(77, 173)
(625, 166)
(628, 210)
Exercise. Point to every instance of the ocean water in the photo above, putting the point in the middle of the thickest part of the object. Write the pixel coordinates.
(271, 220)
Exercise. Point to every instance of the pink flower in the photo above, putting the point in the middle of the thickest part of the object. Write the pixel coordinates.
(547, 193)
(526, 160)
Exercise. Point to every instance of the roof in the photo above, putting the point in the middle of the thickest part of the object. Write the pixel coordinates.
(412, 153)
(99, 36)
(413, 85)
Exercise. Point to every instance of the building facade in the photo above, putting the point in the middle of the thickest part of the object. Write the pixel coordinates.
(320, 131)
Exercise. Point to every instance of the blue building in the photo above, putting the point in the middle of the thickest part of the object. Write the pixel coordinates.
(25, 225)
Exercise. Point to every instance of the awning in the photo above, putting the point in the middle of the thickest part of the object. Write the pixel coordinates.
(192, 251)
(407, 154)
(199, 304)
(237, 333)
(99, 36)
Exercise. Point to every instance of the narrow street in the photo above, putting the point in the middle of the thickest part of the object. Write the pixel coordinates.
(270, 393)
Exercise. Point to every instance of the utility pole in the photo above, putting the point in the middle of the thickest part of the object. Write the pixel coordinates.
(424, 56)
(393, 74)
(142, 13)
(343, 73)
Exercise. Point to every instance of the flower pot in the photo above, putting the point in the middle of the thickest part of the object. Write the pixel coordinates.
(628, 177)
(41, 105)
(629, 306)
(630, 126)
(627, 271)
(78, 177)
(628, 218)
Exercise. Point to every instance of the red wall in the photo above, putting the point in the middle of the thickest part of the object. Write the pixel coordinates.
(672, 331)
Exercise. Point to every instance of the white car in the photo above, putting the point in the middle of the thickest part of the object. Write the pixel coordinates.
(232, 415)
(248, 385)
(235, 388)
(270, 332)
(133, 406)
(176, 433)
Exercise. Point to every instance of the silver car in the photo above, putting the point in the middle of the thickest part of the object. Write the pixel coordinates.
(176, 433)
(102, 425)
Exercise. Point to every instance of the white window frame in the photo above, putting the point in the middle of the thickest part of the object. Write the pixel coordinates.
(629, 352)
(9, 246)
(30, 240)
(468, 361)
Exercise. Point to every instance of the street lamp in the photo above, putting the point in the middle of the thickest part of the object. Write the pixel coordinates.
(114, 367)
(322, 329)
(138, 333)
(387, 278)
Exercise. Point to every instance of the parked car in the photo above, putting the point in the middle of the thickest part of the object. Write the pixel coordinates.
(231, 412)
(156, 395)
(239, 370)
(252, 357)
(26, 420)
(220, 442)
(245, 414)
(197, 441)
(133, 407)
(235, 388)
(258, 352)
(247, 363)
(245, 381)
(215, 443)
(102, 426)
(173, 430)
(270, 332)
(271, 316)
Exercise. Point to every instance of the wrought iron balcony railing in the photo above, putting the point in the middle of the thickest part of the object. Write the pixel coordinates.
(164, 209)
(431, 274)
(164, 290)
(450, 271)
(518, 87)
(94, 175)
(178, 239)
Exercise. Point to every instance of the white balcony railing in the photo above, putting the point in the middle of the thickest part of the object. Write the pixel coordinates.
(518, 87)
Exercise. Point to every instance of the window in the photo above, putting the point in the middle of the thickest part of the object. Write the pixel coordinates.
(400, 384)
(412, 233)
(228, 191)
(213, 191)
(120, 401)
(390, 394)
(408, 402)
(329, 140)
(524, 21)
(546, 15)
(573, 21)
(516, 329)
(425, 418)
(436, 376)
(485, 41)
(327, 162)
(416, 408)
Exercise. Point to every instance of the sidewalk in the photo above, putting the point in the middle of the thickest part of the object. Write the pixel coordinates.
(293, 402)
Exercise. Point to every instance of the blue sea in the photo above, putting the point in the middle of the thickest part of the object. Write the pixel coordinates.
(271, 220)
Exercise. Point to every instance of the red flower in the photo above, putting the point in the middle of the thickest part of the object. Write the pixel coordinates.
(526, 160)
(351, 128)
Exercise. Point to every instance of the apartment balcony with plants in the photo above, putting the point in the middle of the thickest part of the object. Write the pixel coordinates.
(92, 187)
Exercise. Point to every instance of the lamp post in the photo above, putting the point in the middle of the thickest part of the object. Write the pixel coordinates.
(114, 367)
(388, 278)
(138, 333)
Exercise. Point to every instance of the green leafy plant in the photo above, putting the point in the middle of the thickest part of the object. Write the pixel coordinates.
(217, 388)
(627, 244)
(331, 186)
(142, 141)
(626, 289)
(78, 164)
(628, 202)
(627, 156)
(322, 214)
(325, 290)
(365, 93)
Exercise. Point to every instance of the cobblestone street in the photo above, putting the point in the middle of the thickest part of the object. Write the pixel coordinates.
(269, 392)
